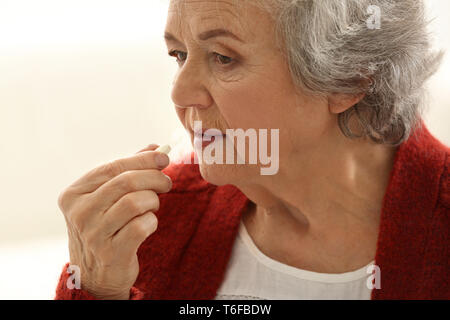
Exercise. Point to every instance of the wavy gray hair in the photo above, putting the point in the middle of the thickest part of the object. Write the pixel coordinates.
(331, 49)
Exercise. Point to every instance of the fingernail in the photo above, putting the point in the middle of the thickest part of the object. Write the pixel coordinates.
(162, 160)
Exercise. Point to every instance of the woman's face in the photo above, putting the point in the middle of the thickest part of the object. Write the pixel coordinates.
(232, 75)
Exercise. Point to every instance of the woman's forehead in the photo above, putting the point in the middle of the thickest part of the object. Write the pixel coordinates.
(200, 11)
(240, 17)
(195, 4)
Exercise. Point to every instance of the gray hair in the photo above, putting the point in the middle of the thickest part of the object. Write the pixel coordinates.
(331, 49)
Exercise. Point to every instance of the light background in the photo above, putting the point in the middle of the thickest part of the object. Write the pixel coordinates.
(83, 82)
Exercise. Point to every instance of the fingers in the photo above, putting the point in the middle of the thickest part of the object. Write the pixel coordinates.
(130, 181)
(128, 207)
(143, 160)
(110, 212)
(128, 239)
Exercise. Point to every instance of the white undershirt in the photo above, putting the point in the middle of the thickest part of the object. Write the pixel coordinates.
(253, 275)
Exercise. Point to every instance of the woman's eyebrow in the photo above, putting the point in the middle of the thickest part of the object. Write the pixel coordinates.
(218, 33)
(206, 35)
(171, 38)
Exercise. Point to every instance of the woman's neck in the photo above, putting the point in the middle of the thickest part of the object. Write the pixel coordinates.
(329, 201)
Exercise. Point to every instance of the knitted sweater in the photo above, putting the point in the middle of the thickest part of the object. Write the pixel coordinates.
(186, 258)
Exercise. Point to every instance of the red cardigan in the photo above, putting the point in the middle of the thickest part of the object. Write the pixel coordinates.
(186, 258)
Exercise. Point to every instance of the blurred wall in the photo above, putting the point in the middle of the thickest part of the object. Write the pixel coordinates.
(83, 82)
(438, 114)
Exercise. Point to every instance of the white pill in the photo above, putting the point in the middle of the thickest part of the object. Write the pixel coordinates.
(164, 149)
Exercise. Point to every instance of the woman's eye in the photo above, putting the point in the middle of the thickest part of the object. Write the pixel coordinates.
(224, 60)
(179, 55)
(220, 59)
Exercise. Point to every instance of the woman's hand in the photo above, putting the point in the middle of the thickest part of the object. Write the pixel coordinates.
(109, 212)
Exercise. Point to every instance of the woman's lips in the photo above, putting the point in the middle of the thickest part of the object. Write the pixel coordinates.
(204, 139)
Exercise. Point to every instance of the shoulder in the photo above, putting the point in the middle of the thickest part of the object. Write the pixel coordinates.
(425, 149)
(434, 157)
(419, 189)
(425, 162)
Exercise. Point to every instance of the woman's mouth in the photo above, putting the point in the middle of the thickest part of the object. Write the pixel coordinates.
(207, 137)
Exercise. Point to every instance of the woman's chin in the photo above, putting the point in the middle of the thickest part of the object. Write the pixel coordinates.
(217, 174)
(222, 174)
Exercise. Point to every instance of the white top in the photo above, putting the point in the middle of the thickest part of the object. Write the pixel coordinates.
(253, 275)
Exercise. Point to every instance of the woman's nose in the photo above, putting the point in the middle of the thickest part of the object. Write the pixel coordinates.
(190, 87)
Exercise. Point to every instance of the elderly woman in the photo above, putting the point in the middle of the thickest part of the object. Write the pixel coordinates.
(358, 207)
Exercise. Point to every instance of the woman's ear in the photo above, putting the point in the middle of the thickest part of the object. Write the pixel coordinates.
(340, 102)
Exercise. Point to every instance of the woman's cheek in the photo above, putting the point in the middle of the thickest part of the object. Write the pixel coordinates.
(237, 97)
(229, 75)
